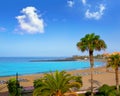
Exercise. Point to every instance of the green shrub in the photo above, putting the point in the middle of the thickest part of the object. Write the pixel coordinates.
(14, 87)
(106, 90)
(38, 83)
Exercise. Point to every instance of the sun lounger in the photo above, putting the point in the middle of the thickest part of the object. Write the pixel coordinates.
(22, 80)
(3, 81)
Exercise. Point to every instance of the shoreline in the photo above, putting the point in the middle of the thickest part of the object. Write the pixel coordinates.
(66, 59)
(46, 71)
(101, 76)
(85, 68)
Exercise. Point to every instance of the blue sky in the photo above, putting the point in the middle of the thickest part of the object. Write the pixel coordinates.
(52, 28)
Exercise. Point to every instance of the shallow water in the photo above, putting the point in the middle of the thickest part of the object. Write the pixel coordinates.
(9, 66)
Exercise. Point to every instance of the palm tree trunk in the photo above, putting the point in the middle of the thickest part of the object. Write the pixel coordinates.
(91, 69)
(59, 93)
(117, 80)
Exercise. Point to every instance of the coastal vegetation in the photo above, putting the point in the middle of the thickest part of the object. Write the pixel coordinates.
(14, 87)
(56, 84)
(107, 90)
(113, 61)
(90, 43)
(99, 57)
(104, 90)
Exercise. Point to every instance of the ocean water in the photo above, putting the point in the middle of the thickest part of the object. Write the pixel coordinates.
(9, 66)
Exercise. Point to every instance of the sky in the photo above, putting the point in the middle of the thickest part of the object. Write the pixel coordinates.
(53, 27)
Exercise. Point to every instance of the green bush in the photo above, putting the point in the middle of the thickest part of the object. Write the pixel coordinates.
(106, 90)
(38, 83)
(14, 87)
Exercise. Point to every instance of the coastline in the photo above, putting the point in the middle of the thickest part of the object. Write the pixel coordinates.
(69, 71)
(66, 59)
(101, 76)
(24, 62)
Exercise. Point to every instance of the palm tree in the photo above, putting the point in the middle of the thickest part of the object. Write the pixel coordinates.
(113, 61)
(90, 43)
(55, 84)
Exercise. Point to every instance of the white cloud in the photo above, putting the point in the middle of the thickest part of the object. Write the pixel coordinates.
(102, 8)
(30, 22)
(84, 2)
(95, 15)
(70, 3)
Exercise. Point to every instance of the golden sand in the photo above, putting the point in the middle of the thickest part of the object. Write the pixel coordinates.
(101, 76)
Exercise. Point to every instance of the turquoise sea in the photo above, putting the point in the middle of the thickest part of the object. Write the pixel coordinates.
(9, 66)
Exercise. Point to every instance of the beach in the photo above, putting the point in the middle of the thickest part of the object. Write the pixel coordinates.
(101, 76)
